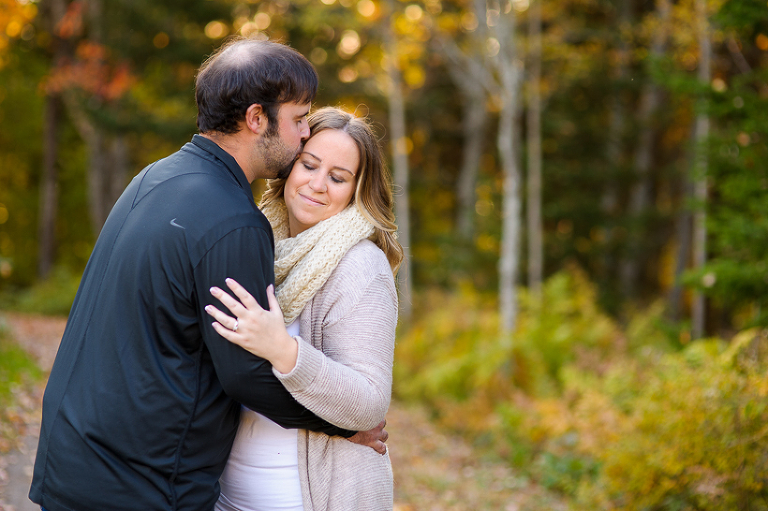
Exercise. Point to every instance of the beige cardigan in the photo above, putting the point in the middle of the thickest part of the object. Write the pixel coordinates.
(344, 375)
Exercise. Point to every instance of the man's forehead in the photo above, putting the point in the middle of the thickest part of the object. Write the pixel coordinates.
(293, 109)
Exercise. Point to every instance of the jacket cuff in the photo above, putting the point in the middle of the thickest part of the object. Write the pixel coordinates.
(309, 363)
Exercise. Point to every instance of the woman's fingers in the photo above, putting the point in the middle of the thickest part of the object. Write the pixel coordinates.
(225, 332)
(225, 320)
(230, 303)
(258, 330)
(274, 306)
(245, 297)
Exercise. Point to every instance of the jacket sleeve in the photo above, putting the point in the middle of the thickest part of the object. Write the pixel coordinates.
(245, 254)
(349, 383)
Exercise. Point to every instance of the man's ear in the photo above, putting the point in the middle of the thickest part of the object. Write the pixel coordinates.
(256, 119)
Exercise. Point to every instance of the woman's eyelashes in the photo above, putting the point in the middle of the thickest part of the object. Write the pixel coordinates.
(335, 178)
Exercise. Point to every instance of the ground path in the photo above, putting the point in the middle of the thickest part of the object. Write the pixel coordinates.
(433, 471)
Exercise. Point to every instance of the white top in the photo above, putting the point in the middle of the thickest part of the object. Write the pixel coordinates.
(262, 472)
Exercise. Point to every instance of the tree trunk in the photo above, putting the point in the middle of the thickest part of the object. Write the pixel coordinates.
(473, 124)
(469, 73)
(683, 235)
(640, 193)
(609, 201)
(698, 312)
(54, 11)
(508, 68)
(511, 218)
(400, 169)
(534, 216)
(48, 187)
(118, 171)
(97, 184)
(108, 157)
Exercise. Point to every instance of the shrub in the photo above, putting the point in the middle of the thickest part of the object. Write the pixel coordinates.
(454, 348)
(694, 435)
(53, 296)
(453, 358)
(615, 419)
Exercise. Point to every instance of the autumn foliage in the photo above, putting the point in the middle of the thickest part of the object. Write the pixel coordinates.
(615, 418)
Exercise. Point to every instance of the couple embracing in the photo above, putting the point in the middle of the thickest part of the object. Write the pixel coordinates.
(222, 356)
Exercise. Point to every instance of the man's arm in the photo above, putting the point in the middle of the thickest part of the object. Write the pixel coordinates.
(245, 254)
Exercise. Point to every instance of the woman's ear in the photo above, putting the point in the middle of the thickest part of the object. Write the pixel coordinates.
(256, 119)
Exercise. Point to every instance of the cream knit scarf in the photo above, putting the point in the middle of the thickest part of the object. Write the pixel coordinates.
(304, 263)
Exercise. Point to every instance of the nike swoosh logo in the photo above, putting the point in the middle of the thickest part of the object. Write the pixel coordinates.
(173, 223)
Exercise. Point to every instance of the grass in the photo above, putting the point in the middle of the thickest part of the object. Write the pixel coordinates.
(19, 378)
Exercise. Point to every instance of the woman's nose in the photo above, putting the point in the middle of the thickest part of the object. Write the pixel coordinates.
(317, 183)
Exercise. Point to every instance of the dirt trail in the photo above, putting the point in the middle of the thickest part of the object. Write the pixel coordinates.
(40, 337)
(433, 471)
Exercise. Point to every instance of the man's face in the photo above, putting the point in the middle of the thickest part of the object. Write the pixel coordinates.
(278, 150)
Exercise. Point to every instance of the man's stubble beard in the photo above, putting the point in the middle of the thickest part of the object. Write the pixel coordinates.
(278, 159)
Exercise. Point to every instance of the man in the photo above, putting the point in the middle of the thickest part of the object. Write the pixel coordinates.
(143, 400)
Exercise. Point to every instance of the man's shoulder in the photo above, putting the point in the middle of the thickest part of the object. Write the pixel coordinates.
(193, 178)
(197, 195)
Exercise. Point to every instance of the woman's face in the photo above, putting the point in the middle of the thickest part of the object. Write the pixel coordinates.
(322, 181)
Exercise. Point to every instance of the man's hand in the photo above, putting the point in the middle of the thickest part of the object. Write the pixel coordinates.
(374, 438)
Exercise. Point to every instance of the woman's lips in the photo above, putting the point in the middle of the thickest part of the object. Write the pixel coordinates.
(311, 200)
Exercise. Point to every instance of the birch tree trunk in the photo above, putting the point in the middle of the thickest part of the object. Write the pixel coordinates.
(534, 216)
(502, 20)
(400, 167)
(474, 122)
(698, 312)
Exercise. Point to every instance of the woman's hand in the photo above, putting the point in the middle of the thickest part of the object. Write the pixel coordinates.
(262, 332)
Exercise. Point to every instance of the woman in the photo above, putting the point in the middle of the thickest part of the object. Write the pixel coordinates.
(332, 345)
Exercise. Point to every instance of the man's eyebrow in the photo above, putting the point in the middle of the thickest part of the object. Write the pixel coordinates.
(334, 167)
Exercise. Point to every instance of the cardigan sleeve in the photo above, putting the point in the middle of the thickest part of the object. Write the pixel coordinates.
(349, 382)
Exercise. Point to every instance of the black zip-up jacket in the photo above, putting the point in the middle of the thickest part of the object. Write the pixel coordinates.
(143, 400)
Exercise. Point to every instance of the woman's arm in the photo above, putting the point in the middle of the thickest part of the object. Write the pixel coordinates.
(260, 331)
(352, 319)
(349, 383)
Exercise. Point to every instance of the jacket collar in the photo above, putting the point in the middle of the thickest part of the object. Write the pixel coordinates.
(229, 161)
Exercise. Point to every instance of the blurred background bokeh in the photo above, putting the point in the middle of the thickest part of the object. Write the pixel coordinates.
(581, 186)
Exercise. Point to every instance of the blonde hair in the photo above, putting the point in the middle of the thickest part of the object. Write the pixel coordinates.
(373, 192)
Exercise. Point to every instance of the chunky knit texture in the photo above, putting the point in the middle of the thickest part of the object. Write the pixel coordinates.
(303, 263)
(344, 375)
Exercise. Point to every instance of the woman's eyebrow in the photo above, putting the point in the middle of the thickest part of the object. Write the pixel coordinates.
(334, 167)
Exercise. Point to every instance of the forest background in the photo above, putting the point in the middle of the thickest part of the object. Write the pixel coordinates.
(582, 189)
